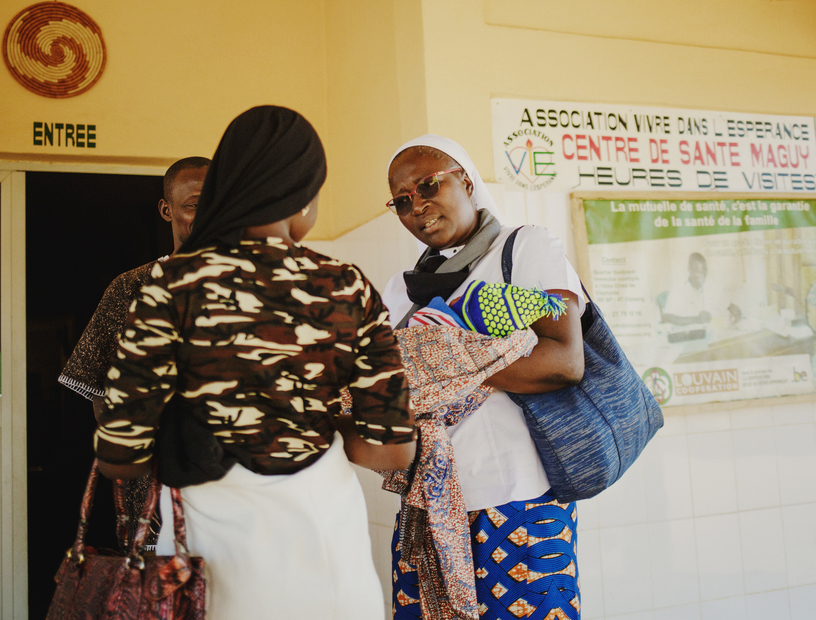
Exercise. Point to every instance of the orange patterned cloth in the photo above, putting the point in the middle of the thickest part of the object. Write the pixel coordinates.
(445, 367)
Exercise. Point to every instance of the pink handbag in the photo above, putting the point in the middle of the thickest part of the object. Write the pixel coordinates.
(95, 586)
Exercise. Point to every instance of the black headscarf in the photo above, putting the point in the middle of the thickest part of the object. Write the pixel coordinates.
(269, 165)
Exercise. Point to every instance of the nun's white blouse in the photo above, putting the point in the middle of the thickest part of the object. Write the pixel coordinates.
(495, 456)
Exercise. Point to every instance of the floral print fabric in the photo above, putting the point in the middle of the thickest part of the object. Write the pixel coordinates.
(446, 367)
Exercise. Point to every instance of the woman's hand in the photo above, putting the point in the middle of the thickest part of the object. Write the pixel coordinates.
(385, 458)
(557, 361)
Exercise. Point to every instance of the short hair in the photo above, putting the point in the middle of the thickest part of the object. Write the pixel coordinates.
(696, 257)
(182, 164)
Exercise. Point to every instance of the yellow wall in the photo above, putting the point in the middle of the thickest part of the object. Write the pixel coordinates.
(469, 61)
(367, 75)
(370, 74)
(769, 26)
(179, 71)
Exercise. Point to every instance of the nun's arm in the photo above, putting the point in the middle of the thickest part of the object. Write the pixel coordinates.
(557, 361)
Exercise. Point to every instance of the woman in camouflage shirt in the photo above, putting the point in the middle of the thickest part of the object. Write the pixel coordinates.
(255, 335)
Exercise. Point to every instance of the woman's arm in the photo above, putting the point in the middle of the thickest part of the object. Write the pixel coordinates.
(379, 433)
(360, 452)
(141, 380)
(557, 360)
(125, 472)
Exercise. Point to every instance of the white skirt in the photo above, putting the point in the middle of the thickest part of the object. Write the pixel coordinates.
(282, 547)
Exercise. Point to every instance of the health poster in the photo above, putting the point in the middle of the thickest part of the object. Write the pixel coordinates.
(712, 300)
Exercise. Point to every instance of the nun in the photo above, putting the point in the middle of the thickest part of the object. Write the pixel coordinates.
(523, 541)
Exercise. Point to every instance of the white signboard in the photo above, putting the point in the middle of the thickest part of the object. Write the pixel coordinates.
(565, 147)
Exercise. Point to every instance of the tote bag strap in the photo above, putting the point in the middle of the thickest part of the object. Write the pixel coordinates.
(507, 256)
(507, 272)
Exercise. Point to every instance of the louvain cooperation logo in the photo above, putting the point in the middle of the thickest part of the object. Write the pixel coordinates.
(529, 159)
(659, 383)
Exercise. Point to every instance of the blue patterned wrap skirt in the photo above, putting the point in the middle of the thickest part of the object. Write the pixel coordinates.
(525, 558)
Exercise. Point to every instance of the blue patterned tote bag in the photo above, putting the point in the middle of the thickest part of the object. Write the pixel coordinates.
(588, 435)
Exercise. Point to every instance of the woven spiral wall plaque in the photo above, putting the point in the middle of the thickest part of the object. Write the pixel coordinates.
(54, 50)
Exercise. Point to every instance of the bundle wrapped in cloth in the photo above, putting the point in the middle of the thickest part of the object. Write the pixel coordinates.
(493, 309)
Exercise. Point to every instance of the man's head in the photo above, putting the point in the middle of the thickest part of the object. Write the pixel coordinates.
(182, 188)
(698, 270)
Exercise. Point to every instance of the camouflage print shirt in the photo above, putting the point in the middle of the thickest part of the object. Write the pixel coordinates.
(257, 341)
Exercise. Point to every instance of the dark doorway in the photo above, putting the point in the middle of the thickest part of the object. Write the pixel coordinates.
(82, 230)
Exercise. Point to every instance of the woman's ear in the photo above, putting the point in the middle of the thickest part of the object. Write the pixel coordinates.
(468, 184)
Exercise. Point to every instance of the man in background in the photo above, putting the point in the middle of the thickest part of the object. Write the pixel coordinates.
(88, 365)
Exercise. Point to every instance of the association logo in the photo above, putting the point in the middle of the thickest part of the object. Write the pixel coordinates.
(529, 160)
(659, 383)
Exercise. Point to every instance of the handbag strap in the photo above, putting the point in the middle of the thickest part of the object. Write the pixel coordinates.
(507, 256)
(179, 528)
(77, 552)
(147, 512)
(122, 516)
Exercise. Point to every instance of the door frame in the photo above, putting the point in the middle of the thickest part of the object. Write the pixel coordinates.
(13, 453)
(13, 464)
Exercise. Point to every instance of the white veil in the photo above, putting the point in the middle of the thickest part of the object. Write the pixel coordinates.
(481, 197)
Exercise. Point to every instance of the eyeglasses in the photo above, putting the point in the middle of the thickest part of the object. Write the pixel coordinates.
(428, 187)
